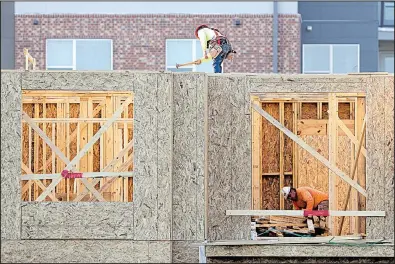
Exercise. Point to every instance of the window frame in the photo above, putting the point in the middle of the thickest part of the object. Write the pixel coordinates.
(382, 56)
(382, 8)
(74, 64)
(194, 51)
(330, 58)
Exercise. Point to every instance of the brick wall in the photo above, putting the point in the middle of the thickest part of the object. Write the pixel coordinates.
(139, 40)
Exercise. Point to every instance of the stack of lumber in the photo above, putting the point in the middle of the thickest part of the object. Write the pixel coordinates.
(279, 226)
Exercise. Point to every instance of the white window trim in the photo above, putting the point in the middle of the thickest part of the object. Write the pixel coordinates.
(194, 51)
(74, 64)
(330, 58)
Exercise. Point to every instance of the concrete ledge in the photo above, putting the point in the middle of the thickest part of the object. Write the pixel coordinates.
(359, 251)
(85, 251)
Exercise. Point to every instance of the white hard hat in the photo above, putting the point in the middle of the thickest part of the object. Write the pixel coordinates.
(285, 191)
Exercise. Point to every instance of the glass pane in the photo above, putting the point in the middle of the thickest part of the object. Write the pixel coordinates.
(180, 69)
(345, 58)
(389, 64)
(316, 58)
(59, 52)
(205, 66)
(388, 15)
(93, 54)
(178, 51)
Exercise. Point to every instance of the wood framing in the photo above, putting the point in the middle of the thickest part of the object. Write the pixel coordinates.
(300, 213)
(75, 124)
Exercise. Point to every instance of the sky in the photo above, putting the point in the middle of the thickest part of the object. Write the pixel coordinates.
(152, 7)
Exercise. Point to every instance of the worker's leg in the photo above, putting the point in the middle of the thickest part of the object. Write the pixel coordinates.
(323, 206)
(217, 64)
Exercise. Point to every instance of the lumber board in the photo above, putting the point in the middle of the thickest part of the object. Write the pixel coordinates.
(300, 213)
(282, 152)
(350, 135)
(333, 149)
(256, 158)
(11, 127)
(311, 151)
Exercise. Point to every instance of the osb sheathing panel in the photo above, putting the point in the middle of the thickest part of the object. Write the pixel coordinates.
(152, 164)
(188, 157)
(299, 251)
(185, 251)
(103, 220)
(85, 251)
(375, 144)
(389, 157)
(151, 198)
(229, 158)
(10, 154)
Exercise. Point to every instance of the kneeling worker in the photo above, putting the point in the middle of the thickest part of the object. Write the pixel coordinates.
(306, 198)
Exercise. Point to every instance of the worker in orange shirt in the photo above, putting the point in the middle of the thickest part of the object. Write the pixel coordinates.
(306, 198)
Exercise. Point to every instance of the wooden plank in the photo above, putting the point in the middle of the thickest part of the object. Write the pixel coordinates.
(281, 106)
(295, 151)
(36, 151)
(360, 222)
(67, 114)
(82, 152)
(332, 133)
(353, 174)
(300, 213)
(310, 150)
(256, 159)
(84, 162)
(350, 135)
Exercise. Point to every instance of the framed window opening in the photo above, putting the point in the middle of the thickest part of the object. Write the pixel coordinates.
(63, 54)
(334, 64)
(387, 14)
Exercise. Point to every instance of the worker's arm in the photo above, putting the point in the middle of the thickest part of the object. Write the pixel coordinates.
(203, 42)
(295, 206)
(306, 197)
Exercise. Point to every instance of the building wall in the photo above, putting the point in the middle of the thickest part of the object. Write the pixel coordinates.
(343, 23)
(139, 40)
(7, 35)
(154, 8)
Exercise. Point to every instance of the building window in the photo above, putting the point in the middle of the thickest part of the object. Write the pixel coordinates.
(387, 14)
(79, 54)
(386, 61)
(182, 51)
(330, 58)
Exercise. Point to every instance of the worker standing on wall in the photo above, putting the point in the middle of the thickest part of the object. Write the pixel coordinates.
(306, 198)
(215, 46)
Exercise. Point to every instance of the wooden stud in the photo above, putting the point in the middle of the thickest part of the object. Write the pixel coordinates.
(35, 151)
(295, 155)
(281, 106)
(350, 135)
(67, 108)
(84, 162)
(256, 158)
(332, 129)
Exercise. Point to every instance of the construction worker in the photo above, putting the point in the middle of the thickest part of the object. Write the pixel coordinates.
(214, 46)
(306, 198)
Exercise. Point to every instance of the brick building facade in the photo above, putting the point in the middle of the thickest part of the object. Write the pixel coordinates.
(139, 41)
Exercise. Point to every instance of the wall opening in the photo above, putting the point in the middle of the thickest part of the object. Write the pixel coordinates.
(57, 126)
(277, 161)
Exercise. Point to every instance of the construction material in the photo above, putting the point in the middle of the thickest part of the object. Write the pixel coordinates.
(63, 128)
(310, 150)
(302, 213)
(29, 59)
